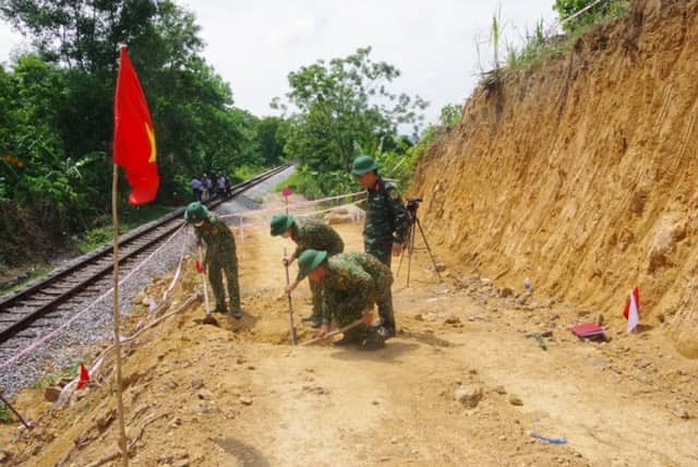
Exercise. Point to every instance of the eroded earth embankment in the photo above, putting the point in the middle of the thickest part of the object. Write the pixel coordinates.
(582, 173)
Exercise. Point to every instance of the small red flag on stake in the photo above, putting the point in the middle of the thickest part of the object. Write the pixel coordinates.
(134, 135)
(84, 376)
(632, 309)
(199, 267)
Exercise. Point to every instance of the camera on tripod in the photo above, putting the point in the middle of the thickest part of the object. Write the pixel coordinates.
(413, 204)
(414, 225)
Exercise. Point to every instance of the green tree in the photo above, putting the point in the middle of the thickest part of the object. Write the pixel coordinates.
(341, 105)
(271, 136)
(56, 106)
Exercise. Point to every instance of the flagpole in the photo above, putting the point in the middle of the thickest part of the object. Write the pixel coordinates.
(117, 343)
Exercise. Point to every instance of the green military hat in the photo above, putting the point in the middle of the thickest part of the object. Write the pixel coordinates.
(280, 223)
(309, 260)
(195, 213)
(364, 164)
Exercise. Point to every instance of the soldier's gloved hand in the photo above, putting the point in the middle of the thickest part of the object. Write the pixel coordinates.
(324, 330)
(199, 243)
(397, 249)
(367, 318)
(286, 262)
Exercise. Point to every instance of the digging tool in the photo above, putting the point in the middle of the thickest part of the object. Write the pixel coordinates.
(349, 326)
(14, 411)
(290, 303)
(209, 319)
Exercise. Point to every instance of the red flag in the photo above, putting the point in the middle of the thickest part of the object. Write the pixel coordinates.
(134, 135)
(84, 376)
(632, 309)
(199, 267)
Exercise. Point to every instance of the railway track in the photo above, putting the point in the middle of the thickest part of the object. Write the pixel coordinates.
(26, 313)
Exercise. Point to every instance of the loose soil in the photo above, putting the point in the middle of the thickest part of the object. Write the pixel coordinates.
(241, 395)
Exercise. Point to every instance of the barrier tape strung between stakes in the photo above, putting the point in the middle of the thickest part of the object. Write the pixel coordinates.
(241, 226)
(40, 342)
(36, 344)
(299, 204)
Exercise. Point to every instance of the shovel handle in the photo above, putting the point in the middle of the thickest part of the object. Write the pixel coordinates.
(203, 275)
(349, 326)
(290, 304)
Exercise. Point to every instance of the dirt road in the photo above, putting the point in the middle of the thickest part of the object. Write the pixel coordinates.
(240, 395)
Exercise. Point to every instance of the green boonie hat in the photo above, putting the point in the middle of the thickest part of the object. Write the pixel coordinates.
(309, 260)
(364, 164)
(195, 213)
(280, 223)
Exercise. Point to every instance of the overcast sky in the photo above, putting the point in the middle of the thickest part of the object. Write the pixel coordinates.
(253, 45)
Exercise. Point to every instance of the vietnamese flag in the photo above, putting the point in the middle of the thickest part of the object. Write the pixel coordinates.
(134, 135)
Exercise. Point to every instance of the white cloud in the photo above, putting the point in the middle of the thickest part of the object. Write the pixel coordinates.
(253, 45)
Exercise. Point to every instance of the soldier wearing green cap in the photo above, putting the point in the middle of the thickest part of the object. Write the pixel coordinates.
(307, 233)
(220, 257)
(352, 283)
(387, 223)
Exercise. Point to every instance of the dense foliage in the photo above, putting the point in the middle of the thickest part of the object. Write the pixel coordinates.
(56, 109)
(595, 11)
(340, 108)
(56, 117)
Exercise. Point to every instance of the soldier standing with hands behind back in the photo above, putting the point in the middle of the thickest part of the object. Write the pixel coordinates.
(386, 226)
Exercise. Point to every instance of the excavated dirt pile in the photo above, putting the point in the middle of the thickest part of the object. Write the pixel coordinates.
(583, 176)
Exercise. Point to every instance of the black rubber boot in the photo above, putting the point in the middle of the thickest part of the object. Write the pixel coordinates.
(372, 341)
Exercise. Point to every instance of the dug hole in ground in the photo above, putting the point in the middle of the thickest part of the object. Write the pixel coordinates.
(461, 384)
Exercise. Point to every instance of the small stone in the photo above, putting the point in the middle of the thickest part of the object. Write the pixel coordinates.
(469, 396)
(197, 384)
(515, 400)
(52, 393)
(246, 400)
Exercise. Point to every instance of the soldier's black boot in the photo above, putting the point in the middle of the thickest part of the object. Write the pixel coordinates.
(372, 340)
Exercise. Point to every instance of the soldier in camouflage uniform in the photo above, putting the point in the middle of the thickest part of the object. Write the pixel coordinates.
(220, 256)
(307, 233)
(351, 284)
(386, 227)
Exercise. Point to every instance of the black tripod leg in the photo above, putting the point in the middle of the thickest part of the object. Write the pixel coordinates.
(433, 261)
(410, 249)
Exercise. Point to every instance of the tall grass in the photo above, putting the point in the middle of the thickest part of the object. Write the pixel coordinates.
(543, 42)
(493, 43)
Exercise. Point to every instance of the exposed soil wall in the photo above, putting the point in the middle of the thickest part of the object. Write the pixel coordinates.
(582, 175)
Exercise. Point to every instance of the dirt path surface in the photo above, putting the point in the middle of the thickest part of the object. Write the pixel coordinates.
(460, 385)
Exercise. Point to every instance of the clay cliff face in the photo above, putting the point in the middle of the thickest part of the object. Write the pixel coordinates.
(582, 174)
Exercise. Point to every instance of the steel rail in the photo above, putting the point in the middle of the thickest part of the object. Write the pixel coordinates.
(19, 310)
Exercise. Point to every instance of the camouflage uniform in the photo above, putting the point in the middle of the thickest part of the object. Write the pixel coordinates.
(387, 222)
(355, 281)
(220, 258)
(309, 233)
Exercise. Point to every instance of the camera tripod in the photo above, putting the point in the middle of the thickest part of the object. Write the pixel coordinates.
(412, 206)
